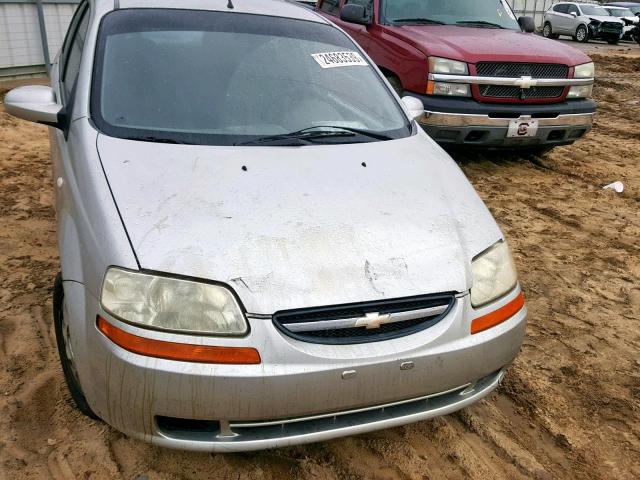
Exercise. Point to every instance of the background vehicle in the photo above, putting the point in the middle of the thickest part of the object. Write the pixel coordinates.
(633, 6)
(631, 21)
(582, 21)
(483, 80)
(259, 246)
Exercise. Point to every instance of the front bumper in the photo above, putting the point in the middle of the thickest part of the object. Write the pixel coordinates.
(300, 393)
(468, 122)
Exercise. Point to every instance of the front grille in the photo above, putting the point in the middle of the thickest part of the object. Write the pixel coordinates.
(517, 70)
(364, 322)
(614, 27)
(499, 91)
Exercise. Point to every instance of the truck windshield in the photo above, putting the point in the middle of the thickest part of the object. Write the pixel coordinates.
(594, 10)
(224, 78)
(464, 13)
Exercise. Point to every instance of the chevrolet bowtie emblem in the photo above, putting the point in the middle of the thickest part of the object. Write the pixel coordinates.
(373, 320)
(526, 82)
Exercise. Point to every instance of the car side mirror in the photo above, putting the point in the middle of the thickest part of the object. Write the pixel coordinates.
(414, 107)
(527, 24)
(34, 103)
(574, 14)
(354, 13)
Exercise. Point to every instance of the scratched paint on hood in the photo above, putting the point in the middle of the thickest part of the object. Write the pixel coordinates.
(301, 226)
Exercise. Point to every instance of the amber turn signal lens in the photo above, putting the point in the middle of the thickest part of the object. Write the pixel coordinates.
(498, 316)
(430, 87)
(181, 352)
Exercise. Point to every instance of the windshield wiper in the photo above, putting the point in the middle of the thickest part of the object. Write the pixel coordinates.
(425, 21)
(480, 23)
(314, 133)
(150, 138)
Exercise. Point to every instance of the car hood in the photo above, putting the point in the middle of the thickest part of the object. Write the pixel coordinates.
(474, 45)
(301, 226)
(604, 18)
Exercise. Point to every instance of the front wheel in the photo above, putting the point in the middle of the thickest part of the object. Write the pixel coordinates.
(547, 31)
(613, 41)
(582, 34)
(67, 358)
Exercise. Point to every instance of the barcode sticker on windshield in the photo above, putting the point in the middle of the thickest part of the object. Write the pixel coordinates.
(338, 59)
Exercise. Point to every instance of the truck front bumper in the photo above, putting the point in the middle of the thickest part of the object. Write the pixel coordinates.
(467, 122)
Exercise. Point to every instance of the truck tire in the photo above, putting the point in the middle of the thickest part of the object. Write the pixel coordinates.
(396, 84)
(547, 31)
(66, 355)
(582, 34)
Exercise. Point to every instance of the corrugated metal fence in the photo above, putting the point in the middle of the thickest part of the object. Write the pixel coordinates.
(24, 47)
(22, 42)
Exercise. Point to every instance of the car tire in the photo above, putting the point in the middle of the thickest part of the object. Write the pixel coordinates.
(396, 84)
(66, 356)
(613, 41)
(547, 32)
(582, 34)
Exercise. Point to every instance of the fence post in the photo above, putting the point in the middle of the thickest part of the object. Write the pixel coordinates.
(43, 36)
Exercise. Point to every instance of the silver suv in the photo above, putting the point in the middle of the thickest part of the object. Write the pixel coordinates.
(582, 21)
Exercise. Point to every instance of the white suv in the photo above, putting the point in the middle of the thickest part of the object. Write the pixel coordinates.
(582, 21)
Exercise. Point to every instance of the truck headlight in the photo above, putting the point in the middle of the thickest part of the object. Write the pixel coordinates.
(448, 67)
(173, 304)
(586, 70)
(580, 91)
(494, 274)
(449, 89)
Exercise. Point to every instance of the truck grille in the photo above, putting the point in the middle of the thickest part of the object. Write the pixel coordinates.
(364, 322)
(517, 70)
(498, 91)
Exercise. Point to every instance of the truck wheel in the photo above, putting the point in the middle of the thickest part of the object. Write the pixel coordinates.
(396, 84)
(582, 34)
(65, 352)
(547, 31)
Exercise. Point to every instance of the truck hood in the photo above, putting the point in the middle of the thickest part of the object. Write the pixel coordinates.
(474, 45)
(301, 226)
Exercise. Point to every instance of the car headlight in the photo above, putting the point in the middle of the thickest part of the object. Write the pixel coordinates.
(172, 304)
(580, 91)
(448, 67)
(494, 274)
(586, 70)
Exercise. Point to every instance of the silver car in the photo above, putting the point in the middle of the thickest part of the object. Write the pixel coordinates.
(259, 246)
(582, 21)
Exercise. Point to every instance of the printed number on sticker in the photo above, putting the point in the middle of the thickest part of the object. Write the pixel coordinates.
(338, 59)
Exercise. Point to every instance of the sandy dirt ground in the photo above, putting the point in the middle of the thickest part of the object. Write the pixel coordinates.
(568, 408)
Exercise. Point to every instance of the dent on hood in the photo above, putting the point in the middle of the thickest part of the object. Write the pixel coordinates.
(302, 227)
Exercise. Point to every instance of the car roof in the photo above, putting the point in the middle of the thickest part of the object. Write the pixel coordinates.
(273, 8)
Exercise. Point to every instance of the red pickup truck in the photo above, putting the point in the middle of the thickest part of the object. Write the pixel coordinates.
(484, 78)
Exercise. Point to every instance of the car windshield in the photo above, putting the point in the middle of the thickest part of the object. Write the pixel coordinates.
(621, 12)
(223, 78)
(594, 10)
(464, 13)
